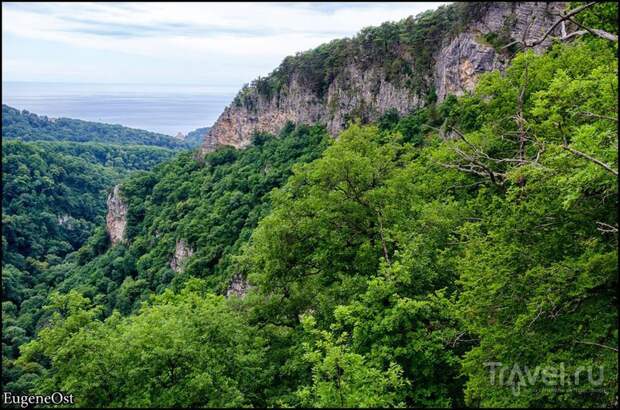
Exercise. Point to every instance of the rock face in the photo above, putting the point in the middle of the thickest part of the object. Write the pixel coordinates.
(365, 92)
(116, 218)
(464, 58)
(239, 286)
(63, 219)
(182, 252)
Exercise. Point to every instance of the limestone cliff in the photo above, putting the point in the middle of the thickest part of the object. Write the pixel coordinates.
(400, 66)
(182, 252)
(116, 218)
(475, 50)
(238, 286)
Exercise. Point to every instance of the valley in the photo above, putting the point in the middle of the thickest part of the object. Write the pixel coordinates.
(385, 220)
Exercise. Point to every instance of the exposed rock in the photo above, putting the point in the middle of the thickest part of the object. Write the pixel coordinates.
(63, 219)
(116, 218)
(372, 95)
(236, 124)
(463, 59)
(182, 252)
(238, 286)
(180, 136)
(461, 62)
(366, 92)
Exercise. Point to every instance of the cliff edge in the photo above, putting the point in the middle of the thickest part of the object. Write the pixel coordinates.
(402, 65)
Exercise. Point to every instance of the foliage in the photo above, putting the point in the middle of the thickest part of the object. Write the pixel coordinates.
(400, 253)
(188, 349)
(26, 126)
(53, 199)
(121, 158)
(404, 51)
(341, 378)
(212, 206)
(388, 268)
(603, 15)
(50, 201)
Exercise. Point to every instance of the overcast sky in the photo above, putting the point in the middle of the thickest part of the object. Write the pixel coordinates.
(220, 44)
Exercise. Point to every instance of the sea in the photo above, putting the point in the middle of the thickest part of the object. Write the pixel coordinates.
(164, 108)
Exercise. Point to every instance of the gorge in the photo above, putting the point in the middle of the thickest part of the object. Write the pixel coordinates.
(398, 219)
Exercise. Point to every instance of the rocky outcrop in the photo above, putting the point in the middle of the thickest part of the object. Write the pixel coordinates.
(182, 252)
(64, 219)
(366, 92)
(461, 61)
(236, 124)
(116, 218)
(238, 286)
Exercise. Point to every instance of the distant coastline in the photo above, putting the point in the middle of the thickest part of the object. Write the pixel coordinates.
(163, 108)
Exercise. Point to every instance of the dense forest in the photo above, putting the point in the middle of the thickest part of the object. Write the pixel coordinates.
(53, 199)
(26, 126)
(464, 254)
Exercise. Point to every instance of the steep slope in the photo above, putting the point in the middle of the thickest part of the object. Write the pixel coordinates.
(214, 204)
(402, 66)
(390, 270)
(54, 185)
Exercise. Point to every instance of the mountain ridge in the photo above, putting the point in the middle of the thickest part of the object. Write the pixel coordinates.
(27, 126)
(403, 66)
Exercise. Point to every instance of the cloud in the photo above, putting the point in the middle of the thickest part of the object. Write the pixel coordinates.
(191, 33)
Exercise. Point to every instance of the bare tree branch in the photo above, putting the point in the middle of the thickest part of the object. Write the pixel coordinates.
(563, 17)
(597, 344)
(590, 158)
(595, 31)
(563, 29)
(603, 227)
(469, 169)
(604, 34)
(599, 116)
(540, 312)
(458, 339)
(383, 244)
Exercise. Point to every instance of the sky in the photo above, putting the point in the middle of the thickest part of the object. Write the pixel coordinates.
(215, 44)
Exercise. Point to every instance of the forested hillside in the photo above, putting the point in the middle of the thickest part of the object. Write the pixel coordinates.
(461, 254)
(50, 187)
(26, 126)
(54, 191)
(53, 198)
(212, 208)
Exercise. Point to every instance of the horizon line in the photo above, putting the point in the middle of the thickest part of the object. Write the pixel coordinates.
(117, 83)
